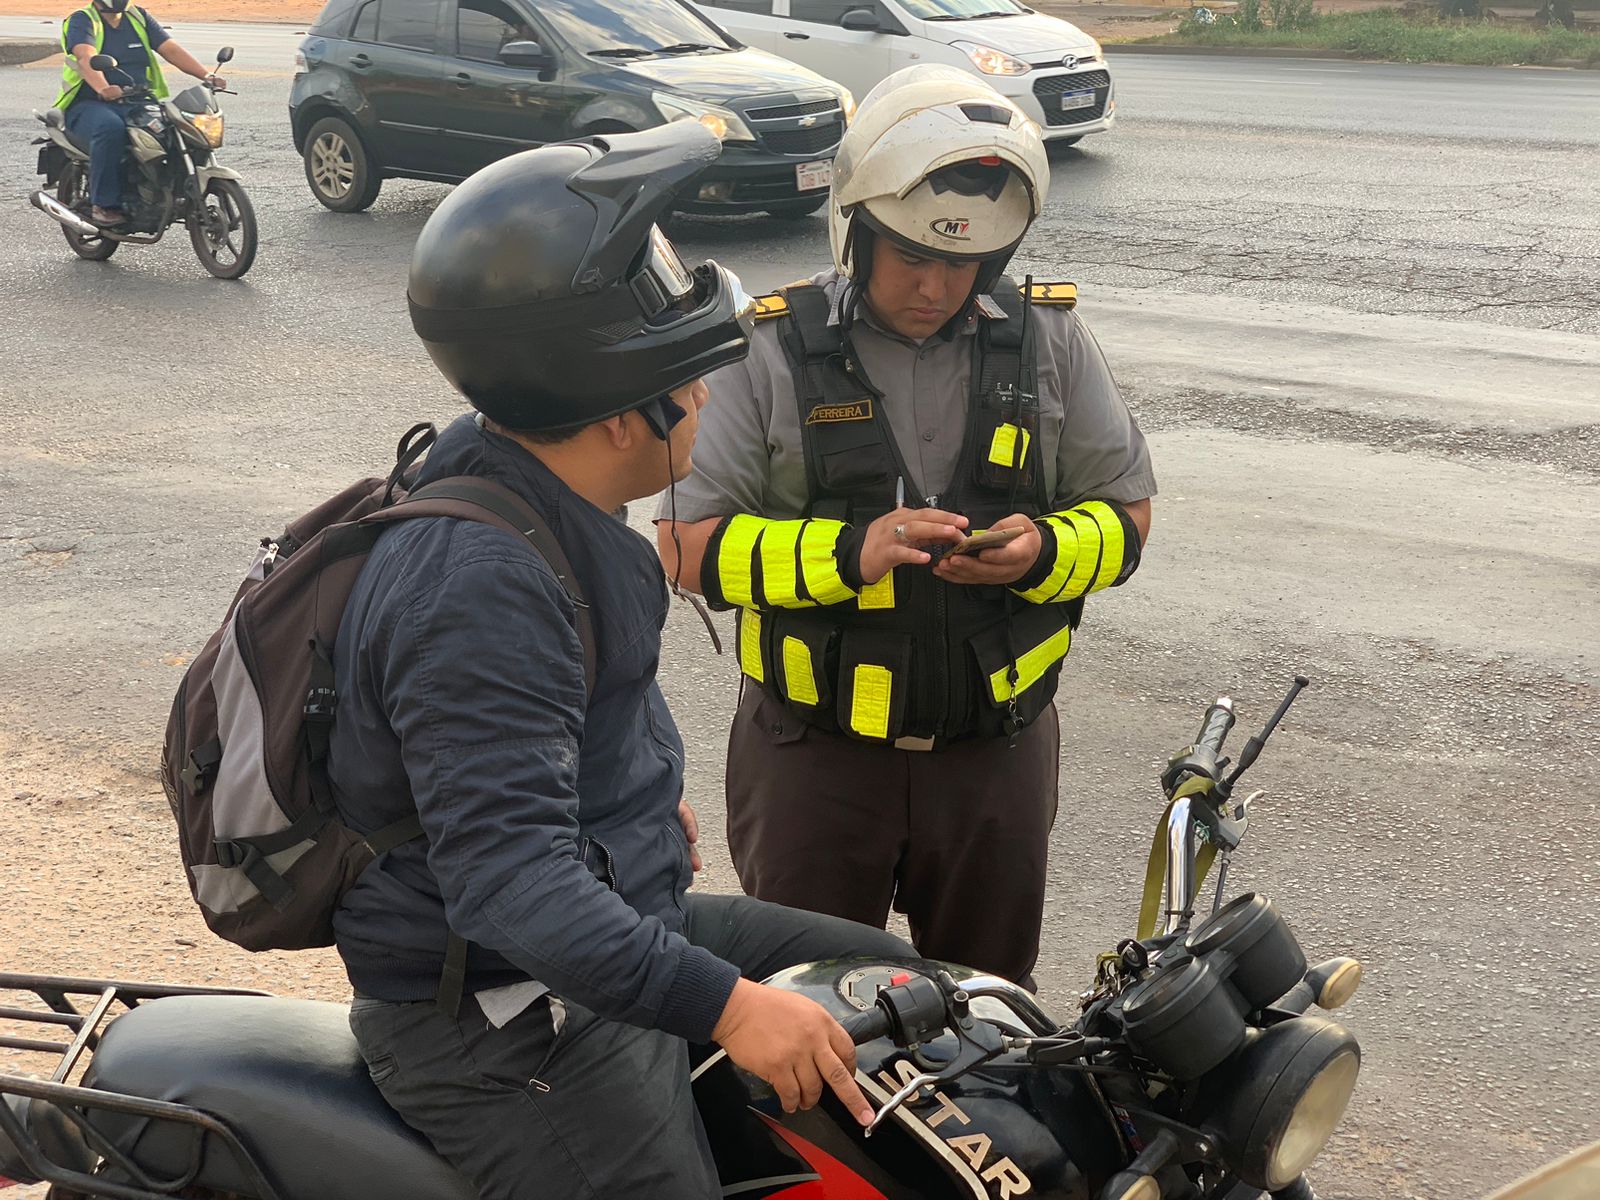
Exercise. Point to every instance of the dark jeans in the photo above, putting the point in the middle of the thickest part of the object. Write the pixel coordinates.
(592, 1109)
(956, 839)
(102, 126)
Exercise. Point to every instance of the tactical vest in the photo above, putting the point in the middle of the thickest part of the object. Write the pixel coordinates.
(71, 80)
(912, 660)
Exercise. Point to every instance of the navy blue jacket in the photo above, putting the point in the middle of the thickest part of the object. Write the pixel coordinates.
(552, 835)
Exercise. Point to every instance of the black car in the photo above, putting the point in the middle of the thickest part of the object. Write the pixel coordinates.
(436, 89)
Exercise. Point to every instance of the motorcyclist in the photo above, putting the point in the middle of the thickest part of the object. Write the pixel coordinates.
(550, 1059)
(896, 742)
(92, 103)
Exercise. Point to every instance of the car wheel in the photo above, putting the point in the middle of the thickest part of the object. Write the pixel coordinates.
(797, 209)
(341, 174)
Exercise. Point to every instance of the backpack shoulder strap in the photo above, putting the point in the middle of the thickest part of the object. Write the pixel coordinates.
(471, 498)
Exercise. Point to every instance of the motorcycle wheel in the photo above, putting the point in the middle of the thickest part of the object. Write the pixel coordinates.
(223, 231)
(69, 191)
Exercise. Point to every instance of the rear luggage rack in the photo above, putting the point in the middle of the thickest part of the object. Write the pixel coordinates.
(26, 1104)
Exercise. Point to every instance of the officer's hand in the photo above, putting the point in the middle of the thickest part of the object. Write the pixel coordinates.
(110, 93)
(691, 832)
(998, 565)
(792, 1043)
(882, 551)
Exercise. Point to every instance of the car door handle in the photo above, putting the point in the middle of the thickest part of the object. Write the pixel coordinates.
(798, 37)
(360, 61)
(463, 80)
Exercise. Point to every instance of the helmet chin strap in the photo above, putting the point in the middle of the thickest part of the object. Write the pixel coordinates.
(662, 416)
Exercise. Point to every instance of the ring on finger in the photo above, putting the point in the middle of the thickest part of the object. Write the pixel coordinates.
(900, 533)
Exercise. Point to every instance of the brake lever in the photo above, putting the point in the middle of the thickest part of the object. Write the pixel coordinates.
(980, 1042)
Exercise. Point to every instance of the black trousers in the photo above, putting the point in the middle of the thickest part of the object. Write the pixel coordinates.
(561, 1104)
(956, 839)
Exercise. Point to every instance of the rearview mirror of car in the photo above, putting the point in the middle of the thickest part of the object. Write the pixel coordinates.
(861, 20)
(530, 56)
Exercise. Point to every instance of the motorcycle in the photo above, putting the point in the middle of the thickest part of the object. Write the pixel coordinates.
(174, 177)
(1193, 1071)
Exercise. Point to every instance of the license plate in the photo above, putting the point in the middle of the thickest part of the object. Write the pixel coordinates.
(1077, 100)
(808, 177)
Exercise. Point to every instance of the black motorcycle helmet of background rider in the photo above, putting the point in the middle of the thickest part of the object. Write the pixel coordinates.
(547, 295)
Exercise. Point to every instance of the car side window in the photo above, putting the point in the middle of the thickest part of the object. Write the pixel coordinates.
(411, 23)
(366, 26)
(761, 8)
(483, 26)
(827, 12)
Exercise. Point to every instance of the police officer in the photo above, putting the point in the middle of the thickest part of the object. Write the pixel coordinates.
(896, 742)
(90, 101)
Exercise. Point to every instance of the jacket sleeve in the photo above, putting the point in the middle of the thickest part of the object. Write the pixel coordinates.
(1091, 546)
(758, 562)
(484, 688)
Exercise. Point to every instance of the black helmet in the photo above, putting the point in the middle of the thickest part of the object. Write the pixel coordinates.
(546, 294)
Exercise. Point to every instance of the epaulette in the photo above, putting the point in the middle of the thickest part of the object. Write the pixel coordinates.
(768, 307)
(1064, 294)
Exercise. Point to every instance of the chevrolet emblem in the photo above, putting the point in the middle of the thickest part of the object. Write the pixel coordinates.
(807, 122)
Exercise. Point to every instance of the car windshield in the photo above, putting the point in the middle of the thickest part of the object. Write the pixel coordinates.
(962, 10)
(631, 28)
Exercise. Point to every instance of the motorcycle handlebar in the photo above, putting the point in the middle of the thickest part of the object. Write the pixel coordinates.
(865, 1026)
(1214, 728)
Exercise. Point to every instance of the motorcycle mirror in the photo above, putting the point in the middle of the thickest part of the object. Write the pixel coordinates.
(224, 55)
(103, 62)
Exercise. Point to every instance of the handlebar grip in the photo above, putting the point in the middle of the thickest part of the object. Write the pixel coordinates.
(1214, 728)
(863, 1027)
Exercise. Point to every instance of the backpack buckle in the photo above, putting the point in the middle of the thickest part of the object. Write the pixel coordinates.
(320, 704)
(201, 766)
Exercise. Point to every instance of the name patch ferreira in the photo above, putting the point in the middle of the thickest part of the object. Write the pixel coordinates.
(823, 414)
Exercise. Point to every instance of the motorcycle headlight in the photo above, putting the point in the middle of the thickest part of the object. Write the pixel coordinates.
(991, 61)
(1276, 1103)
(210, 124)
(723, 122)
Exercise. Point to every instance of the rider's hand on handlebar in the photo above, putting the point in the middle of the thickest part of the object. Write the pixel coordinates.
(882, 551)
(216, 83)
(792, 1043)
(110, 93)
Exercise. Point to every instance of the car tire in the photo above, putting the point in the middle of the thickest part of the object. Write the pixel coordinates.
(797, 209)
(339, 171)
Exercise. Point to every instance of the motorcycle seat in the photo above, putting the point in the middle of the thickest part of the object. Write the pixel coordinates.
(286, 1077)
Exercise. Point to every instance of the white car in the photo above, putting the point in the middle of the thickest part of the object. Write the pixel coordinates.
(1053, 70)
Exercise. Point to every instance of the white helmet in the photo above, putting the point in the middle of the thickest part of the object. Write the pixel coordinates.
(919, 163)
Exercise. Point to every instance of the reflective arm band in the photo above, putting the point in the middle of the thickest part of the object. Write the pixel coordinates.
(1096, 546)
(753, 562)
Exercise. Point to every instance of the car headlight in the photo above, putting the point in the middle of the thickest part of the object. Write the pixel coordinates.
(1275, 1104)
(847, 102)
(210, 124)
(991, 61)
(723, 122)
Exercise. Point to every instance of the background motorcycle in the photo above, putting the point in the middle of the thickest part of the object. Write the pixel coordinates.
(173, 177)
(1193, 1072)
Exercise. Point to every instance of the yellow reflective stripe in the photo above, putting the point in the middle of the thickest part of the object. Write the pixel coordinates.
(1086, 546)
(1050, 587)
(798, 681)
(819, 564)
(779, 582)
(1003, 450)
(735, 554)
(1032, 665)
(878, 595)
(871, 689)
(1113, 542)
(750, 644)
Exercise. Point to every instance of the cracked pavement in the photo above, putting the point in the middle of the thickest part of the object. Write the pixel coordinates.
(1353, 306)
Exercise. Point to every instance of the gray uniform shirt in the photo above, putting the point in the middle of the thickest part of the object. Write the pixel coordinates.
(748, 456)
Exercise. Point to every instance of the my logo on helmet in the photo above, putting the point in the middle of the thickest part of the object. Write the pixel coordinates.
(951, 227)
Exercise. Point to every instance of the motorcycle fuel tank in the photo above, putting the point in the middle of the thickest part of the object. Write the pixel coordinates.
(995, 1133)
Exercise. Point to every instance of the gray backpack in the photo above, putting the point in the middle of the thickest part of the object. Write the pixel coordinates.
(244, 765)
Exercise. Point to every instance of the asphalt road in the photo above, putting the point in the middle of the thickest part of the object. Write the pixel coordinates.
(1354, 309)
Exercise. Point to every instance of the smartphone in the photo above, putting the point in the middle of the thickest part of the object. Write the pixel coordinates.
(984, 540)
